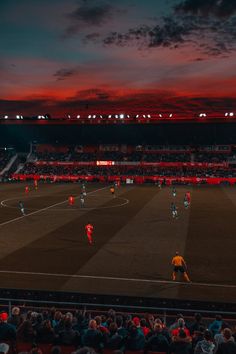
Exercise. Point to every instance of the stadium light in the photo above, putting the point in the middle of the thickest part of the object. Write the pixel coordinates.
(122, 116)
(149, 116)
(116, 116)
(202, 115)
(144, 116)
(137, 115)
(89, 116)
(230, 114)
(78, 116)
(5, 117)
(160, 115)
(18, 116)
(101, 116)
(94, 116)
(171, 115)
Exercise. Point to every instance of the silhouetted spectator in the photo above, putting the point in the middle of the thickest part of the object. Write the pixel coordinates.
(158, 342)
(216, 325)
(135, 339)
(7, 330)
(205, 346)
(196, 324)
(228, 346)
(114, 340)
(25, 332)
(15, 318)
(45, 334)
(181, 344)
(4, 348)
(143, 327)
(92, 337)
(181, 327)
(68, 335)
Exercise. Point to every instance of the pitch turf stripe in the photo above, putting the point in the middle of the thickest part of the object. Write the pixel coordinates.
(155, 281)
(40, 210)
(210, 246)
(66, 249)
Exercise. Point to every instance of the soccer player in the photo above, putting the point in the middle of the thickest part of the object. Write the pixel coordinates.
(36, 184)
(179, 266)
(71, 200)
(89, 231)
(173, 209)
(112, 190)
(174, 192)
(82, 200)
(186, 205)
(84, 189)
(22, 208)
(26, 189)
(188, 196)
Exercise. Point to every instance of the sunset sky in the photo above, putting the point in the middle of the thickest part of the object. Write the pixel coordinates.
(70, 56)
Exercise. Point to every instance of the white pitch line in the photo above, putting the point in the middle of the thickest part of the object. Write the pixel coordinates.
(155, 281)
(63, 209)
(46, 208)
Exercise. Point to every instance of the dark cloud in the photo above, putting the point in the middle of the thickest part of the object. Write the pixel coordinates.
(93, 94)
(92, 37)
(90, 13)
(210, 36)
(195, 22)
(205, 8)
(170, 33)
(63, 74)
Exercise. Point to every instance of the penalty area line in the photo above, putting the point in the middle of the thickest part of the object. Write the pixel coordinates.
(40, 210)
(154, 281)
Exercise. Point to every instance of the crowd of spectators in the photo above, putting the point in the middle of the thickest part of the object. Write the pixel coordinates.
(55, 156)
(163, 153)
(111, 331)
(31, 168)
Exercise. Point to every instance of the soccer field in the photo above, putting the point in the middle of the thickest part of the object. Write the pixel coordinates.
(135, 238)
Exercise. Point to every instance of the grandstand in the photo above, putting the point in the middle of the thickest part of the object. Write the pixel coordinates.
(58, 292)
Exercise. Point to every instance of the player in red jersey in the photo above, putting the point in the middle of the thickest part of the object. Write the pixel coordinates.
(71, 200)
(26, 189)
(89, 231)
(36, 184)
(188, 197)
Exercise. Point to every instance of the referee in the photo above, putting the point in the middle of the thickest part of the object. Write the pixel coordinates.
(179, 266)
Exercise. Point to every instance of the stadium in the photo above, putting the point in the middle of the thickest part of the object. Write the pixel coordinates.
(117, 222)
